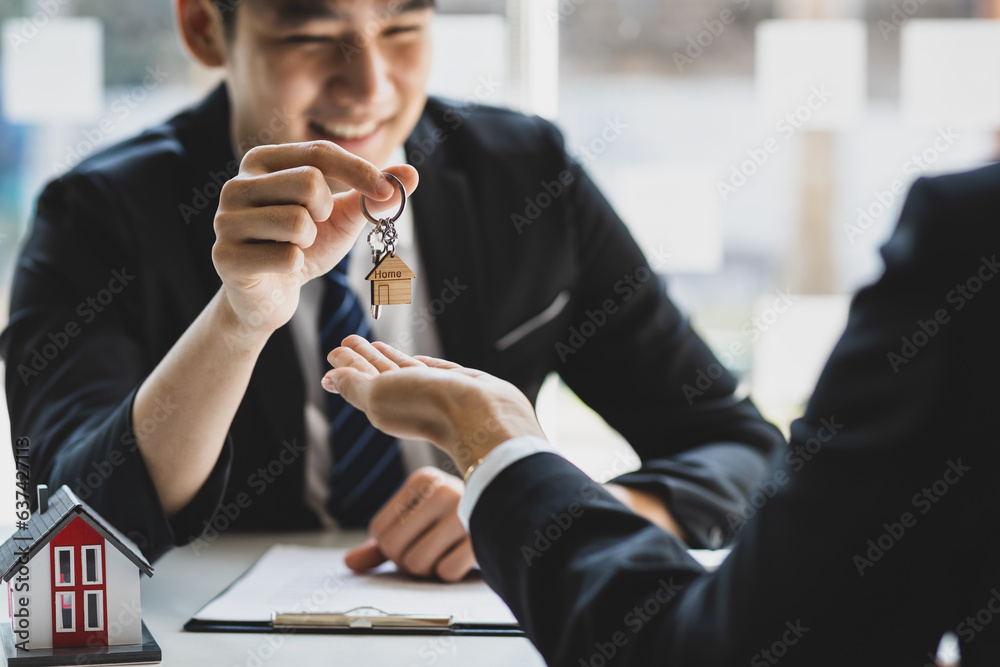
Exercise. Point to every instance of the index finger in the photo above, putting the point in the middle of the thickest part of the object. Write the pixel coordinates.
(335, 162)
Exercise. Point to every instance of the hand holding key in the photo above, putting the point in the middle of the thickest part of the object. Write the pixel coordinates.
(278, 226)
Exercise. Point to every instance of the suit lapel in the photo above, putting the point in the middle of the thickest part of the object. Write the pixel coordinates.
(450, 248)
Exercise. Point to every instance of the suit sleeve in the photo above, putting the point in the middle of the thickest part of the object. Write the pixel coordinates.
(702, 445)
(835, 566)
(75, 357)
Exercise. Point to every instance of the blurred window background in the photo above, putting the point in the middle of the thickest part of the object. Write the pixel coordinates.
(760, 150)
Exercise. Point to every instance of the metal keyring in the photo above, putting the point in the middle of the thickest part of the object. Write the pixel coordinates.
(402, 204)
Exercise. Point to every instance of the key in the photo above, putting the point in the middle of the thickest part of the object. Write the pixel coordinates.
(390, 278)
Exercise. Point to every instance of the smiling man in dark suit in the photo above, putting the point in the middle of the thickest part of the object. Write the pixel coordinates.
(191, 401)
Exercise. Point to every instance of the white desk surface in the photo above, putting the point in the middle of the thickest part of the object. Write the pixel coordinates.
(183, 581)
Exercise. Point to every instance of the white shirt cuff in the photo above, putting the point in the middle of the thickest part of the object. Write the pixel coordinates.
(499, 459)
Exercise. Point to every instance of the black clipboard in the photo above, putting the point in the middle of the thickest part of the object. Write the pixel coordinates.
(356, 621)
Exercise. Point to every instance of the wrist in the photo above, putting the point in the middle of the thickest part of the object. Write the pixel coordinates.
(240, 335)
(647, 505)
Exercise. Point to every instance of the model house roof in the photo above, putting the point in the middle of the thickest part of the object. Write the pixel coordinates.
(64, 506)
(391, 263)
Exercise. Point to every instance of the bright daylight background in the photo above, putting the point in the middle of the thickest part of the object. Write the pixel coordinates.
(764, 213)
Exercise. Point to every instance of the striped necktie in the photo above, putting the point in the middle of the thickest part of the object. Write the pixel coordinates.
(367, 465)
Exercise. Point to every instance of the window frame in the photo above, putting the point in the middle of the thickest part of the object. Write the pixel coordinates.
(59, 609)
(100, 611)
(56, 551)
(99, 570)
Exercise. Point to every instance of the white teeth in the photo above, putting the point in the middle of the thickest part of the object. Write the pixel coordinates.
(349, 130)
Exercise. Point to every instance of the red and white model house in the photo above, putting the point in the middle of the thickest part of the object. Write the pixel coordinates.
(73, 577)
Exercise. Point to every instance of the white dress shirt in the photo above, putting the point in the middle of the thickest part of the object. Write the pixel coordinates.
(397, 325)
(499, 459)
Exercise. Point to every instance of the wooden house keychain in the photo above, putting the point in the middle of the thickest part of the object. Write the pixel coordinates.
(390, 277)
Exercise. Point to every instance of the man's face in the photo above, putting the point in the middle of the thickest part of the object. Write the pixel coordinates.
(348, 71)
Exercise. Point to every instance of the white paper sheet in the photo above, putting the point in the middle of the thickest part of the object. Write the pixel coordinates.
(309, 579)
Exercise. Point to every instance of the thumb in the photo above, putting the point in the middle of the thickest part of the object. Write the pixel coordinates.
(365, 556)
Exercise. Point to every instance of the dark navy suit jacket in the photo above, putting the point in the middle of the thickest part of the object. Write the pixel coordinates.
(532, 284)
(875, 533)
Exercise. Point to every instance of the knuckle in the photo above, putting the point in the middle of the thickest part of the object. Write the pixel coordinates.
(416, 563)
(231, 189)
(290, 254)
(322, 151)
(312, 178)
(298, 221)
(252, 156)
(363, 173)
(220, 255)
(392, 549)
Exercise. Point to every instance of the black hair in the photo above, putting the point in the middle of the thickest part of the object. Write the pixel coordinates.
(227, 8)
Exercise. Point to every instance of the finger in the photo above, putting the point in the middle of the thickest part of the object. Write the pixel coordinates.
(362, 347)
(287, 223)
(252, 260)
(365, 556)
(335, 162)
(401, 359)
(434, 362)
(352, 384)
(457, 563)
(419, 486)
(348, 204)
(422, 557)
(401, 535)
(300, 184)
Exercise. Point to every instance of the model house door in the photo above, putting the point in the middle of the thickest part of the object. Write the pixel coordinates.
(79, 588)
(383, 294)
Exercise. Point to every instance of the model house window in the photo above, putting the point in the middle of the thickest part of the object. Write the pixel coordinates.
(94, 610)
(65, 612)
(92, 565)
(64, 566)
